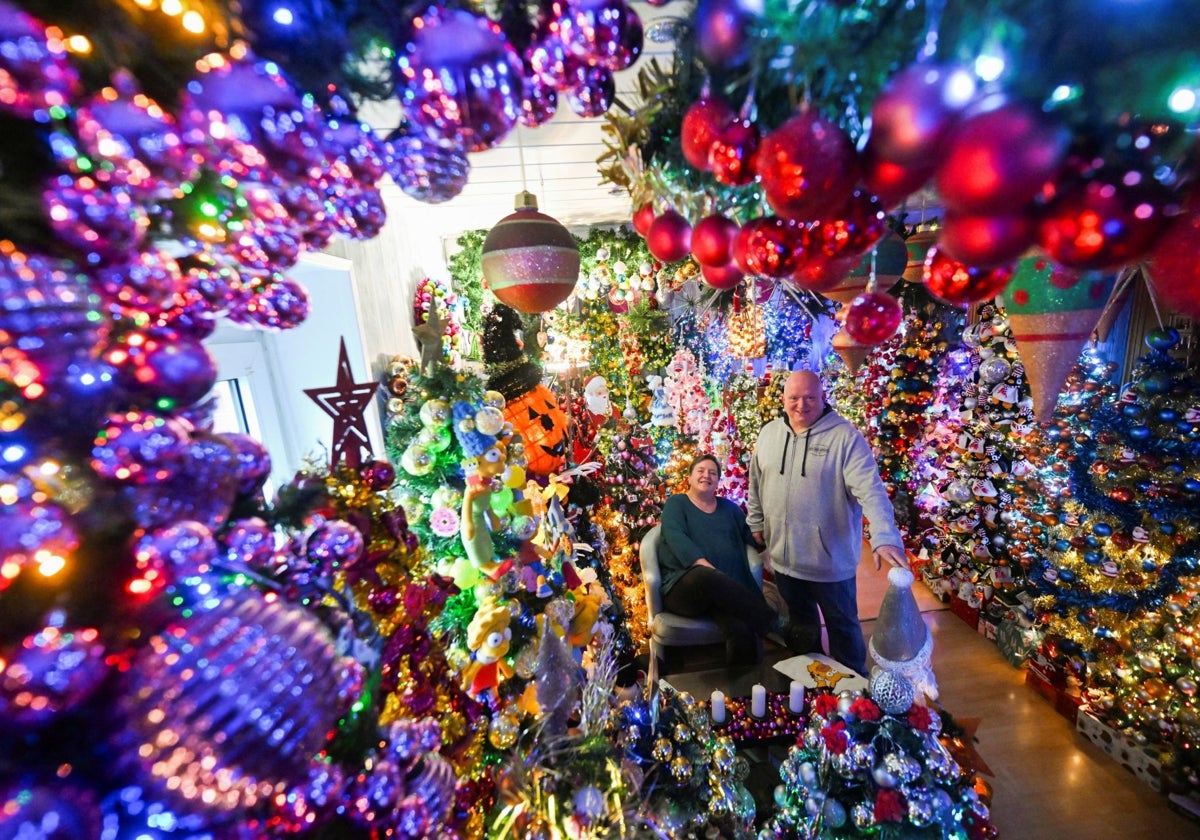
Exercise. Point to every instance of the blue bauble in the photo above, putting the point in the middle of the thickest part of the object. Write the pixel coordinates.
(1140, 433)
(1191, 485)
(1066, 575)
(1102, 529)
(1131, 410)
(1149, 566)
(1167, 414)
(1162, 339)
(1062, 545)
(1157, 383)
(1092, 558)
(1167, 528)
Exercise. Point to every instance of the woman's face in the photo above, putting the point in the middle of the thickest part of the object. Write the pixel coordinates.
(704, 477)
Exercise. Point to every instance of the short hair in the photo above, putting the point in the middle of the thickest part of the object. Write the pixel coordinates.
(706, 456)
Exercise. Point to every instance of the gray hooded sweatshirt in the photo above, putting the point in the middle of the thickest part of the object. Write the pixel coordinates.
(808, 493)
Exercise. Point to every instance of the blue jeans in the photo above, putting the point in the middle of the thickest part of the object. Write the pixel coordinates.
(838, 603)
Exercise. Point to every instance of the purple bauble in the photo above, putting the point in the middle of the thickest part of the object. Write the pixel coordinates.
(431, 171)
(131, 813)
(311, 803)
(190, 316)
(211, 744)
(722, 30)
(101, 222)
(335, 544)
(55, 810)
(359, 211)
(172, 373)
(139, 447)
(354, 143)
(250, 543)
(539, 103)
(30, 529)
(147, 283)
(253, 462)
(124, 127)
(603, 32)
(48, 673)
(35, 75)
(202, 488)
(280, 305)
(546, 57)
(590, 89)
(378, 475)
(48, 313)
(185, 548)
(459, 79)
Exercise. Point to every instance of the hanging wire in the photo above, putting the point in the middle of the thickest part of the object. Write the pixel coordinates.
(521, 157)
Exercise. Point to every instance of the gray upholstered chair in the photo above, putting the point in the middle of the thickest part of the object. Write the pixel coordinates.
(668, 629)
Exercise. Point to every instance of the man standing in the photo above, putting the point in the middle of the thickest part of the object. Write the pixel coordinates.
(812, 478)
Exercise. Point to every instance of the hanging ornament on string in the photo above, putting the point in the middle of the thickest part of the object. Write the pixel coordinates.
(874, 316)
(731, 158)
(960, 285)
(807, 165)
(702, 122)
(669, 237)
(712, 240)
(1173, 269)
(986, 241)
(590, 88)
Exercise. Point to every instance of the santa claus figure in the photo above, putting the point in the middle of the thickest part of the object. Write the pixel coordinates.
(596, 401)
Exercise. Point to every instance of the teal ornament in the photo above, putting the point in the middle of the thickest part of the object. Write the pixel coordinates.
(1162, 339)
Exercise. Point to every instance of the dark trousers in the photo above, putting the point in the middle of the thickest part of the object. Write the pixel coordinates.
(838, 603)
(742, 614)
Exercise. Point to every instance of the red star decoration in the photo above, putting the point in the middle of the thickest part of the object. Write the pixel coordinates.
(345, 403)
(963, 749)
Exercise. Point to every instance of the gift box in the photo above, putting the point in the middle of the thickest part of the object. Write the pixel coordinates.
(1140, 761)
(965, 611)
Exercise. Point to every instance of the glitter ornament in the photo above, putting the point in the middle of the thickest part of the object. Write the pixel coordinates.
(590, 89)
(201, 486)
(428, 170)
(458, 78)
(702, 121)
(960, 285)
(253, 462)
(230, 743)
(770, 246)
(50, 672)
(873, 317)
(335, 544)
(139, 446)
(281, 304)
(102, 223)
(603, 32)
(807, 165)
(731, 156)
(529, 260)
(35, 73)
(916, 111)
(892, 692)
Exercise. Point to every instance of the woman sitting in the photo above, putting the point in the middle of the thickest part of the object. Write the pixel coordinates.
(705, 574)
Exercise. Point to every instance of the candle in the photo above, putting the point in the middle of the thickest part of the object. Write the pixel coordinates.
(717, 707)
(796, 698)
(758, 701)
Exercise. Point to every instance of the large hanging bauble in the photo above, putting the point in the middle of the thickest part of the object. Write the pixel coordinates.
(1105, 219)
(949, 280)
(539, 102)
(428, 170)
(723, 30)
(771, 246)
(873, 317)
(821, 274)
(915, 111)
(102, 223)
(996, 161)
(702, 121)
(853, 229)
(603, 32)
(712, 240)
(48, 673)
(546, 56)
(1173, 268)
(458, 78)
(202, 487)
(169, 373)
(726, 276)
(590, 88)
(537, 418)
(38, 74)
(807, 165)
(892, 182)
(731, 158)
(225, 744)
(986, 241)
(529, 260)
(670, 237)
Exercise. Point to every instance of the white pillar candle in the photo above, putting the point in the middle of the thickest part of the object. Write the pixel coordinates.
(758, 701)
(717, 707)
(796, 697)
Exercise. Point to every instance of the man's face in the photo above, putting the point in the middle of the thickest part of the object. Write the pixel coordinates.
(803, 402)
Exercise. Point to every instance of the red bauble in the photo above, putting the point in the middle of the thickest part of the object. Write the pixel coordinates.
(960, 285)
(731, 158)
(821, 274)
(769, 246)
(807, 165)
(873, 318)
(986, 241)
(1105, 219)
(643, 217)
(996, 161)
(670, 237)
(722, 276)
(530, 261)
(893, 182)
(701, 124)
(1174, 266)
(712, 240)
(915, 111)
(852, 230)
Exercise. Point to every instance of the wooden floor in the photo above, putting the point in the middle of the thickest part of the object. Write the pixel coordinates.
(1049, 783)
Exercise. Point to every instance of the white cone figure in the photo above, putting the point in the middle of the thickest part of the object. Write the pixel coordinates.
(901, 642)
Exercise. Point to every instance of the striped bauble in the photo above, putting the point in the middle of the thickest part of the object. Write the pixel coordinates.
(529, 260)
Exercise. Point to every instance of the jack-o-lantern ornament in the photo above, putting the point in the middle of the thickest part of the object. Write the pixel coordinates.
(537, 417)
(530, 406)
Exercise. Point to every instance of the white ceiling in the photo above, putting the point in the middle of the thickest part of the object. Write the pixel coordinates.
(559, 161)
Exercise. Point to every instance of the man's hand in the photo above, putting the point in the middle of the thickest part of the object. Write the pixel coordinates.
(893, 554)
(703, 562)
(758, 537)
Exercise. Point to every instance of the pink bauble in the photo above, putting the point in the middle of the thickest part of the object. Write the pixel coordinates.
(458, 78)
(539, 102)
(873, 317)
(35, 74)
(530, 261)
(103, 223)
(722, 30)
(602, 32)
(770, 246)
(986, 241)
(432, 171)
(171, 373)
(807, 165)
(712, 240)
(1105, 219)
(726, 276)
(139, 447)
(916, 110)
(670, 237)
(961, 285)
(279, 305)
(546, 56)
(702, 122)
(731, 158)
(997, 161)
(1173, 267)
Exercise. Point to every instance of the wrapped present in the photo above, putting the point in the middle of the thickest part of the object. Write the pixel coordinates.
(1138, 760)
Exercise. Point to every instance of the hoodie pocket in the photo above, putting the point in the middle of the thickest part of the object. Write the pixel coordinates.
(809, 549)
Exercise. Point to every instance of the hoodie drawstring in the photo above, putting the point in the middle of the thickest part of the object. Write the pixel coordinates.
(804, 460)
(783, 460)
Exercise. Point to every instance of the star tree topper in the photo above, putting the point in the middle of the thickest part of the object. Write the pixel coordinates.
(345, 402)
